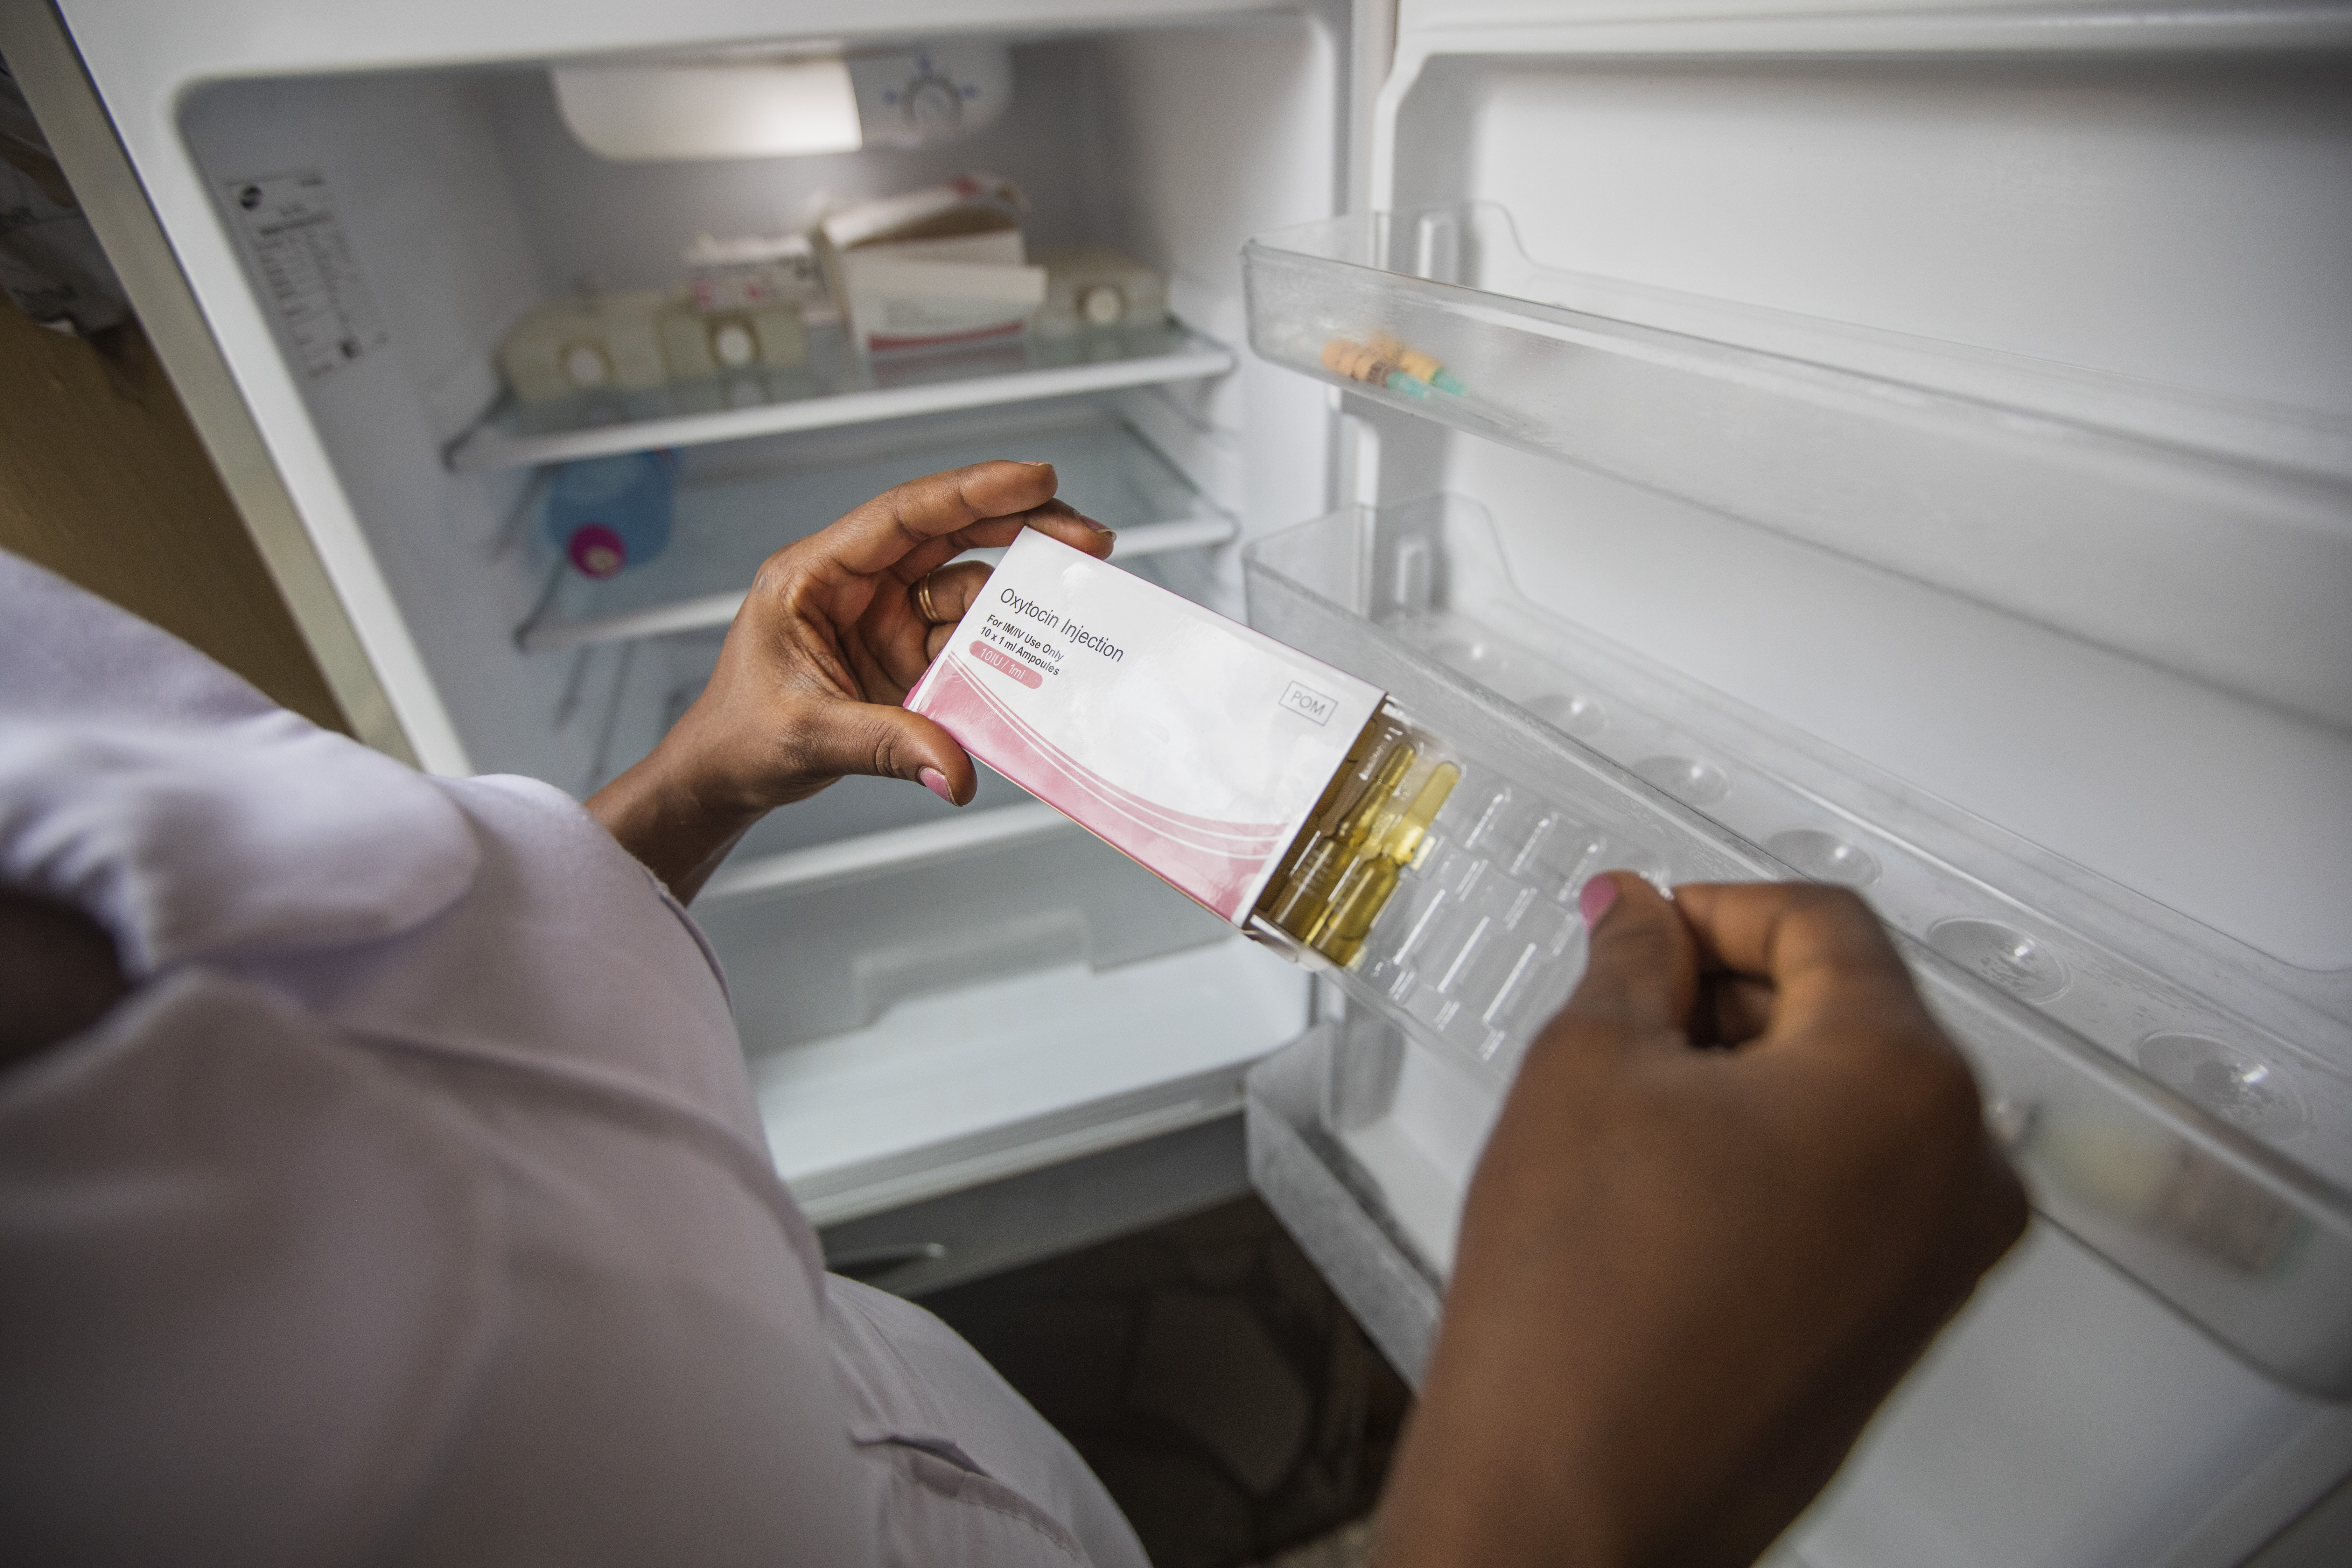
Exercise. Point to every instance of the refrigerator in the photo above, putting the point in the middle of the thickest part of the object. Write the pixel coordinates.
(1904, 445)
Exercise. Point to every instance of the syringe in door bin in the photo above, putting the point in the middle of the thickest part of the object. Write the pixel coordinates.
(1382, 361)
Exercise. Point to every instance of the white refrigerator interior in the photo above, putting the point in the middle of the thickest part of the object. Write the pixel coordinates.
(1906, 446)
(363, 202)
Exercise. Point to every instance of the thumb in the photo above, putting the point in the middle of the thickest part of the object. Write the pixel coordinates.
(1642, 978)
(844, 736)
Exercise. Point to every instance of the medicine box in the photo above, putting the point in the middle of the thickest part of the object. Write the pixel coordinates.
(896, 302)
(1194, 745)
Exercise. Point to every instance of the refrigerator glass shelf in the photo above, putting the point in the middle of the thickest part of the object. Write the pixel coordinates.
(2157, 521)
(909, 1032)
(814, 958)
(724, 526)
(834, 387)
(1017, 1071)
(858, 828)
(2178, 1102)
(621, 696)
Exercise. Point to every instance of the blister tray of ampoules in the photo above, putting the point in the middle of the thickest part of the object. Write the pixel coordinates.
(2179, 1104)
(1470, 928)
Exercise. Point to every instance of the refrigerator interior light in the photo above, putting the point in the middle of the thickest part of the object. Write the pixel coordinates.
(756, 103)
(725, 107)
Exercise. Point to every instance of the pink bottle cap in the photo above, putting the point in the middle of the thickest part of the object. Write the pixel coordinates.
(597, 550)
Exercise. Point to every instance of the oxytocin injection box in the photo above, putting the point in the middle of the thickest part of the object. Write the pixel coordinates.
(1241, 772)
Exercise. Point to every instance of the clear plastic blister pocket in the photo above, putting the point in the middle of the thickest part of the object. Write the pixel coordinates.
(1432, 881)
(2177, 1102)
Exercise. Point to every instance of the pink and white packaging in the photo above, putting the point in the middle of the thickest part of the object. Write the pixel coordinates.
(1193, 744)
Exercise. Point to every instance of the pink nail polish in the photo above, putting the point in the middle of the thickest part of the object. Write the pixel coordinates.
(1595, 900)
(936, 782)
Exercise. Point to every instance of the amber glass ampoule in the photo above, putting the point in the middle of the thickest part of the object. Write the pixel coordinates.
(1347, 786)
(1393, 804)
(1320, 868)
(1370, 883)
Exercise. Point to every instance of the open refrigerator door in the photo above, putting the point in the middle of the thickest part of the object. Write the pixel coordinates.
(1904, 446)
(2019, 541)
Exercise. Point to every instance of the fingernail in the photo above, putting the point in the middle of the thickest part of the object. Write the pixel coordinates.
(1027, 464)
(936, 782)
(1098, 527)
(1595, 900)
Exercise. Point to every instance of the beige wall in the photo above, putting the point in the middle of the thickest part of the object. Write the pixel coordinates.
(102, 480)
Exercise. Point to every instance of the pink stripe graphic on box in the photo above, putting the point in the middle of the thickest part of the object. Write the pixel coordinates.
(1216, 827)
(1203, 832)
(1217, 863)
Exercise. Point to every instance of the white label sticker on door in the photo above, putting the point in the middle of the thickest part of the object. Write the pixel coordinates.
(309, 268)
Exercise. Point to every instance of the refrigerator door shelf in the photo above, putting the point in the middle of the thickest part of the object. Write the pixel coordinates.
(1432, 574)
(1363, 1144)
(2154, 520)
(834, 387)
(1335, 1209)
(2180, 1104)
(725, 525)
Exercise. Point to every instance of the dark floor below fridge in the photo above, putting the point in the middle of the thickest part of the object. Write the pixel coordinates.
(1212, 1379)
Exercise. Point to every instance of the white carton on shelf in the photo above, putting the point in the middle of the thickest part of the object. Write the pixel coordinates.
(1191, 743)
(752, 272)
(1000, 247)
(893, 303)
(932, 267)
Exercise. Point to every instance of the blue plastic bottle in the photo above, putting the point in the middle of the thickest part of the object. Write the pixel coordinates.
(608, 513)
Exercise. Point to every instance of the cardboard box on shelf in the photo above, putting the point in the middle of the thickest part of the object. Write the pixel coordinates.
(894, 302)
(931, 267)
(753, 272)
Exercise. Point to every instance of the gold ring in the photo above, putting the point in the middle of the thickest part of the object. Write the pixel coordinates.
(923, 601)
